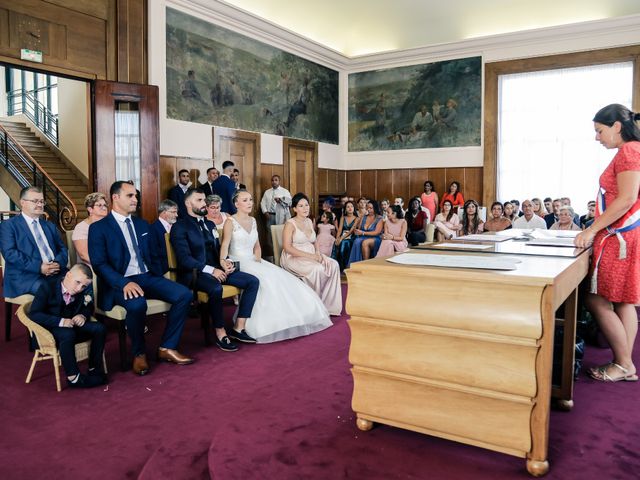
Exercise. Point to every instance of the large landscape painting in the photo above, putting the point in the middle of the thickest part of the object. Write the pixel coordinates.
(219, 77)
(420, 106)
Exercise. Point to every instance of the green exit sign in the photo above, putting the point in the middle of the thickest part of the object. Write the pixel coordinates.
(31, 55)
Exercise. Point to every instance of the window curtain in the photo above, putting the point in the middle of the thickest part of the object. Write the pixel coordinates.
(546, 139)
(127, 133)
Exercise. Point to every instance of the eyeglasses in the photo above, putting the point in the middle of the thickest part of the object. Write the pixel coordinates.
(37, 202)
(100, 205)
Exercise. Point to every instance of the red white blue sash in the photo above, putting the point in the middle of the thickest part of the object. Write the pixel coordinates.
(631, 222)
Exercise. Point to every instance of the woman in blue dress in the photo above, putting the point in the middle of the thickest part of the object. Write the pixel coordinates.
(344, 239)
(367, 234)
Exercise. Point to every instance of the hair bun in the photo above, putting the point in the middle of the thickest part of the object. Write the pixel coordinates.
(635, 116)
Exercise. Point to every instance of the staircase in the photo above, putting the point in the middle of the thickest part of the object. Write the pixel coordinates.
(70, 181)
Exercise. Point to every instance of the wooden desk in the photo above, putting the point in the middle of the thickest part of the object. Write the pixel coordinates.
(459, 353)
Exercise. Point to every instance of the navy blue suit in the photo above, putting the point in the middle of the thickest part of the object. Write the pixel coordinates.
(158, 245)
(48, 308)
(224, 187)
(110, 257)
(177, 195)
(22, 258)
(191, 252)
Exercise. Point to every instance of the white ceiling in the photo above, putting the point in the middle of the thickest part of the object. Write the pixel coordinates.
(361, 27)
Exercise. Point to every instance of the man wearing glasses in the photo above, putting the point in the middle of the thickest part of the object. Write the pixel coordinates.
(32, 248)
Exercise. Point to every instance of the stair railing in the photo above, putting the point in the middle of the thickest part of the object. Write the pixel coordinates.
(27, 172)
(27, 103)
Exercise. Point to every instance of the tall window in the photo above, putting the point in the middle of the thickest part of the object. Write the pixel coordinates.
(546, 140)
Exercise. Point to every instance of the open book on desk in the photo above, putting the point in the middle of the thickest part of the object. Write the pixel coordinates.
(552, 238)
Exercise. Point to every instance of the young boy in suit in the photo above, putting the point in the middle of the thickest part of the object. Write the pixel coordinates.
(65, 308)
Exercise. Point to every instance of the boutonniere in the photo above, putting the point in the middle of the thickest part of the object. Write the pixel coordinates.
(87, 300)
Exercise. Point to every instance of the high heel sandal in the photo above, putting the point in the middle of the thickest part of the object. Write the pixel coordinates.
(601, 374)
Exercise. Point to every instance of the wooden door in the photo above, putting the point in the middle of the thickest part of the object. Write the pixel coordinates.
(301, 167)
(108, 99)
(243, 149)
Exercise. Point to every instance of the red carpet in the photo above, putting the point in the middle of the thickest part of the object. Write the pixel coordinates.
(278, 411)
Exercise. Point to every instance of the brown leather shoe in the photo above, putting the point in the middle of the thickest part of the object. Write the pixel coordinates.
(140, 365)
(173, 356)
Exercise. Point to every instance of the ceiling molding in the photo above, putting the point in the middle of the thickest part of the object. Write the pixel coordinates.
(240, 21)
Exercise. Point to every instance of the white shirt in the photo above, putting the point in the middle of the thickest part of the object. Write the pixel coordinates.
(535, 222)
(45, 249)
(165, 224)
(133, 267)
(268, 203)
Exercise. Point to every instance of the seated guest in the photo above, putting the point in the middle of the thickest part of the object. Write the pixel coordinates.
(345, 237)
(538, 207)
(516, 208)
(417, 220)
(529, 219)
(548, 205)
(498, 222)
(328, 206)
(285, 307)
(338, 210)
(552, 217)
(471, 223)
(212, 176)
(367, 234)
(167, 216)
(447, 223)
(587, 220)
(178, 191)
(235, 176)
(395, 232)
(96, 205)
(65, 309)
(384, 205)
(214, 210)
(508, 211)
(362, 207)
(566, 201)
(400, 202)
(129, 273)
(326, 231)
(197, 245)
(300, 256)
(454, 195)
(31, 246)
(565, 220)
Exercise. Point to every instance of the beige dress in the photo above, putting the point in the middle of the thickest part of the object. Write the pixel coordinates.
(323, 278)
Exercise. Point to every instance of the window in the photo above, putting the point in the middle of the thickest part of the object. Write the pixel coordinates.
(546, 140)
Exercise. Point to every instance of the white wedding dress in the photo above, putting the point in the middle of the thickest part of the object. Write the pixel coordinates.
(285, 307)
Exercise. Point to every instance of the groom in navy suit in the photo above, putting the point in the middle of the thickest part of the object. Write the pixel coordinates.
(197, 247)
(31, 246)
(128, 273)
(224, 187)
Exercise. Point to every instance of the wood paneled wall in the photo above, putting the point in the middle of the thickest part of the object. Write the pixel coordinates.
(331, 181)
(379, 184)
(94, 39)
(170, 166)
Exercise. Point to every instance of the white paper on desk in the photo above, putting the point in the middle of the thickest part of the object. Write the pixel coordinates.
(456, 261)
(462, 246)
(539, 233)
(552, 242)
(483, 238)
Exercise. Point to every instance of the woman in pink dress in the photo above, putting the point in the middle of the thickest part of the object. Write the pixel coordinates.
(429, 198)
(326, 234)
(615, 236)
(300, 256)
(395, 231)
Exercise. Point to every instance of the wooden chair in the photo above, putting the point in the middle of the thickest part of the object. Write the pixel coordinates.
(201, 298)
(9, 302)
(119, 314)
(47, 349)
(276, 239)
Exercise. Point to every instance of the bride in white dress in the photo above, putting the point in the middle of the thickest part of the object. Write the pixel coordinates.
(285, 307)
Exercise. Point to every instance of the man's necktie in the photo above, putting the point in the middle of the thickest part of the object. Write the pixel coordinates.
(66, 296)
(136, 249)
(208, 235)
(41, 242)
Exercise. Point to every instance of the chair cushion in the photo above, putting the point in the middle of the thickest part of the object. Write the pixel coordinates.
(227, 291)
(21, 300)
(153, 307)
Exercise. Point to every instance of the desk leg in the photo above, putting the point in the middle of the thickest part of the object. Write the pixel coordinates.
(364, 425)
(565, 400)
